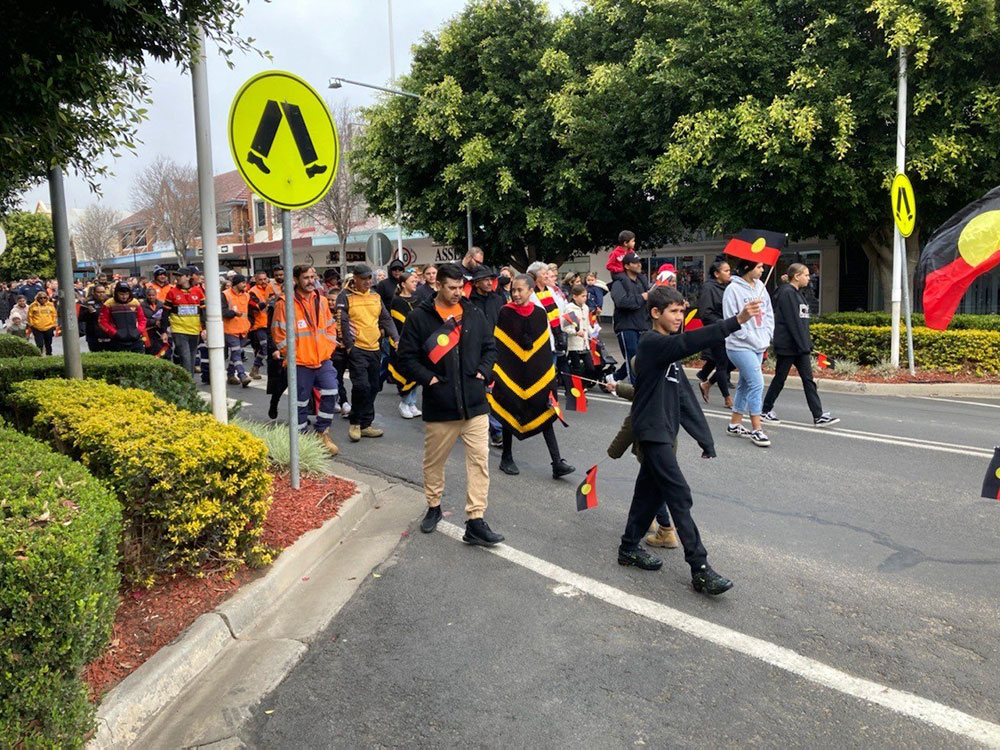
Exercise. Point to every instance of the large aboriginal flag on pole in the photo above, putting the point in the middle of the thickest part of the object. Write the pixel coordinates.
(524, 372)
(757, 244)
(586, 493)
(965, 246)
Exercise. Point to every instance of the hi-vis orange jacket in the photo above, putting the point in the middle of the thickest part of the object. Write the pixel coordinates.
(235, 312)
(315, 329)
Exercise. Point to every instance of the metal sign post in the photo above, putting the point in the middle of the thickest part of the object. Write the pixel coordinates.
(64, 271)
(898, 251)
(293, 401)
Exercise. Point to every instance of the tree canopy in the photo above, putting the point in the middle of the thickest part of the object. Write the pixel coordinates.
(74, 83)
(31, 247)
(667, 116)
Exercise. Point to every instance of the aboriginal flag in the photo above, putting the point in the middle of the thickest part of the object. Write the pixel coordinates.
(991, 484)
(554, 404)
(595, 352)
(576, 398)
(443, 340)
(757, 244)
(822, 361)
(962, 248)
(586, 493)
(692, 322)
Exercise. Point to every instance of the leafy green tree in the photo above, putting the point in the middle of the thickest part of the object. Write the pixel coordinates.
(482, 135)
(74, 84)
(31, 248)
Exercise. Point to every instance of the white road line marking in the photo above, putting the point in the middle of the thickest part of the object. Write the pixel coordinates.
(904, 703)
(956, 401)
(874, 437)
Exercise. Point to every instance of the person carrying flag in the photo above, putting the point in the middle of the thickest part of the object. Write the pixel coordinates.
(524, 377)
(793, 347)
(315, 332)
(447, 349)
(655, 416)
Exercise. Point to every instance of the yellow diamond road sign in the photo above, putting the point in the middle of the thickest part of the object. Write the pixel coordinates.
(904, 204)
(283, 139)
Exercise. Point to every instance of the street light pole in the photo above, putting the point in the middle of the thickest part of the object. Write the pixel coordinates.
(392, 77)
(898, 251)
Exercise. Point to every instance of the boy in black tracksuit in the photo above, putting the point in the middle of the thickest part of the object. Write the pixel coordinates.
(655, 419)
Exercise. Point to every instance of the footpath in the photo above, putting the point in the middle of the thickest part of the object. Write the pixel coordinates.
(199, 690)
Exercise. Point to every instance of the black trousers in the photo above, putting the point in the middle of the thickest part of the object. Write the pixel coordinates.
(660, 481)
(43, 340)
(364, 368)
(803, 364)
(550, 442)
(339, 360)
(719, 362)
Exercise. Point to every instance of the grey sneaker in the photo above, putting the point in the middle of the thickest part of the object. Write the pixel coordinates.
(770, 417)
(825, 420)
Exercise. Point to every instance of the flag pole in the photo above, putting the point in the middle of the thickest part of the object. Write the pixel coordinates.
(898, 248)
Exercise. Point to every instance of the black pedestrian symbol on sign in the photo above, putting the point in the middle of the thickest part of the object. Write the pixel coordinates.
(903, 205)
(267, 129)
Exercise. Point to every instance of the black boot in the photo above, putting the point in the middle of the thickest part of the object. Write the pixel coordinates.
(560, 468)
(430, 521)
(507, 466)
(639, 558)
(707, 581)
(477, 532)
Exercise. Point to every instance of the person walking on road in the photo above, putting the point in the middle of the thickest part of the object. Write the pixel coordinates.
(745, 349)
(97, 340)
(793, 347)
(315, 332)
(363, 321)
(716, 368)
(43, 318)
(184, 308)
(655, 416)
(262, 296)
(401, 307)
(447, 349)
(629, 292)
(236, 313)
(123, 321)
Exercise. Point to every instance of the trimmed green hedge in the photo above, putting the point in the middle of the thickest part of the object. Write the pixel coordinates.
(58, 591)
(958, 323)
(949, 351)
(192, 490)
(165, 379)
(17, 346)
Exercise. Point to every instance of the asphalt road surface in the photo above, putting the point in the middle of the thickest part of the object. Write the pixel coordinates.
(865, 611)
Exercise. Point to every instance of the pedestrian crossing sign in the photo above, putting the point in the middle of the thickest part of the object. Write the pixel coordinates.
(904, 204)
(283, 139)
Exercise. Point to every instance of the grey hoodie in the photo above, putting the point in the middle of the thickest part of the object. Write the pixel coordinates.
(754, 335)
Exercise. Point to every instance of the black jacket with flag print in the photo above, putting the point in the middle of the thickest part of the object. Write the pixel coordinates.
(458, 394)
(656, 408)
(791, 322)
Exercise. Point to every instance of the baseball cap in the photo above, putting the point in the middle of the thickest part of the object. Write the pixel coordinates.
(362, 270)
(630, 258)
(237, 278)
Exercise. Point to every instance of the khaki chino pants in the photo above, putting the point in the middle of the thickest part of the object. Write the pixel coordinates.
(439, 441)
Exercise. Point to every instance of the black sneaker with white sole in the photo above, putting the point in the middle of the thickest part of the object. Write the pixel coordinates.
(770, 417)
(738, 430)
(758, 438)
(825, 420)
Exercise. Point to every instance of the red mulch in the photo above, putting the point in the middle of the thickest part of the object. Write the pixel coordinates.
(148, 619)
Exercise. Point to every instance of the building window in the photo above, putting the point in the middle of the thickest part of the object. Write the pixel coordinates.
(126, 241)
(260, 214)
(139, 239)
(224, 221)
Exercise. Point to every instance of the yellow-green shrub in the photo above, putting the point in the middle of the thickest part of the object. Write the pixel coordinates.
(59, 534)
(192, 490)
(949, 351)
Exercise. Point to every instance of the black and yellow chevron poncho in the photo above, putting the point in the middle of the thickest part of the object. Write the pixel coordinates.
(524, 373)
(400, 311)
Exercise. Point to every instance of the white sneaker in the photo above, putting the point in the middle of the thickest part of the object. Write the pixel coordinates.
(758, 438)
(345, 409)
(415, 411)
(404, 409)
(770, 417)
(738, 430)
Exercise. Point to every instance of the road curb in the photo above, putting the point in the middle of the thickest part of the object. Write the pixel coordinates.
(944, 390)
(127, 708)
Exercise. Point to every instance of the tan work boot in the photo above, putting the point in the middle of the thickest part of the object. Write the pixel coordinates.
(665, 536)
(354, 432)
(370, 431)
(331, 447)
(233, 380)
(255, 372)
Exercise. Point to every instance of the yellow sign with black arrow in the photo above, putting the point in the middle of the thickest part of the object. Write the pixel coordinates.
(283, 139)
(904, 204)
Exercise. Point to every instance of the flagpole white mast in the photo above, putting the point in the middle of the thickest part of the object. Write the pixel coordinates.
(898, 248)
(392, 76)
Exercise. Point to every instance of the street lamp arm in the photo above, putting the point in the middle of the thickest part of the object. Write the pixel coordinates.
(336, 82)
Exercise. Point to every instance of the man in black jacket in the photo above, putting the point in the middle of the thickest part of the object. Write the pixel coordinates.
(629, 295)
(446, 348)
(488, 301)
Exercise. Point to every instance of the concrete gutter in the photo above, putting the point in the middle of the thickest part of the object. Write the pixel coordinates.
(127, 708)
(941, 390)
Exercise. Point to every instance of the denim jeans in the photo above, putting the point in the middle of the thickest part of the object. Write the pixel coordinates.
(750, 386)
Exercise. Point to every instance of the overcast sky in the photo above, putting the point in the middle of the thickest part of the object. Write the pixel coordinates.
(315, 39)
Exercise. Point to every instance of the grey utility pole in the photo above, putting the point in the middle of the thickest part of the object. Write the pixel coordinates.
(64, 273)
(900, 274)
(290, 330)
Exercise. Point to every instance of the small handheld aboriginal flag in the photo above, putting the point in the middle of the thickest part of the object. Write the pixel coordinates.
(964, 247)
(443, 340)
(991, 484)
(758, 245)
(554, 403)
(576, 397)
(586, 493)
(822, 361)
(595, 352)
(692, 322)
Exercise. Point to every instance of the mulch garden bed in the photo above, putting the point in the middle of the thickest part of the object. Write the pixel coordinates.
(148, 619)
